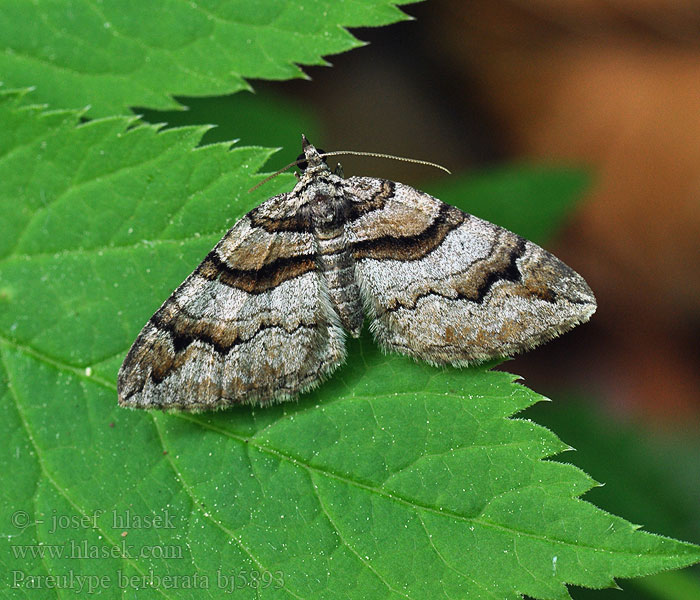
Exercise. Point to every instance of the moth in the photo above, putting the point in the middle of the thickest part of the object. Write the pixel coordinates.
(264, 317)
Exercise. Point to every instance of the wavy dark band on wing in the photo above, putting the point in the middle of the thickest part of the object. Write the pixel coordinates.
(414, 247)
(297, 223)
(376, 201)
(476, 281)
(222, 339)
(255, 281)
(165, 357)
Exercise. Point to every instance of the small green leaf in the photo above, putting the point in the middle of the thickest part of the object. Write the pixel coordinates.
(117, 55)
(393, 480)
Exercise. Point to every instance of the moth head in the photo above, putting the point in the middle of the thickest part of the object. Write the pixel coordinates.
(310, 159)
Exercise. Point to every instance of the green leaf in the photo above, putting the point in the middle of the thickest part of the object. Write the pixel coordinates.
(665, 462)
(262, 118)
(117, 55)
(394, 479)
(644, 460)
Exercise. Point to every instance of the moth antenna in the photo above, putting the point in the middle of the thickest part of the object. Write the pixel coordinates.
(276, 173)
(379, 155)
(353, 153)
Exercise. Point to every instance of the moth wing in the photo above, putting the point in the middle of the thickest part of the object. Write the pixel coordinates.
(450, 288)
(252, 323)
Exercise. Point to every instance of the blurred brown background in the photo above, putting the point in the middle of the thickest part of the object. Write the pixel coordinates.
(613, 85)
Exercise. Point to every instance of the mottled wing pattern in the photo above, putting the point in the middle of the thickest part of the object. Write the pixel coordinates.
(252, 324)
(446, 287)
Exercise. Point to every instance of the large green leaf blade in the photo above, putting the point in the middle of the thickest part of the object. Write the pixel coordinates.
(117, 55)
(393, 479)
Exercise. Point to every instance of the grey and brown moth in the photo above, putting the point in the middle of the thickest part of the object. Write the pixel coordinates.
(264, 316)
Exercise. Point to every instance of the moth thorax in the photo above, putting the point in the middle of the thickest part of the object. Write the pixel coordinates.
(329, 212)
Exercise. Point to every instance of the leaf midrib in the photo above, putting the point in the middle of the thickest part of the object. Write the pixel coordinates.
(346, 480)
